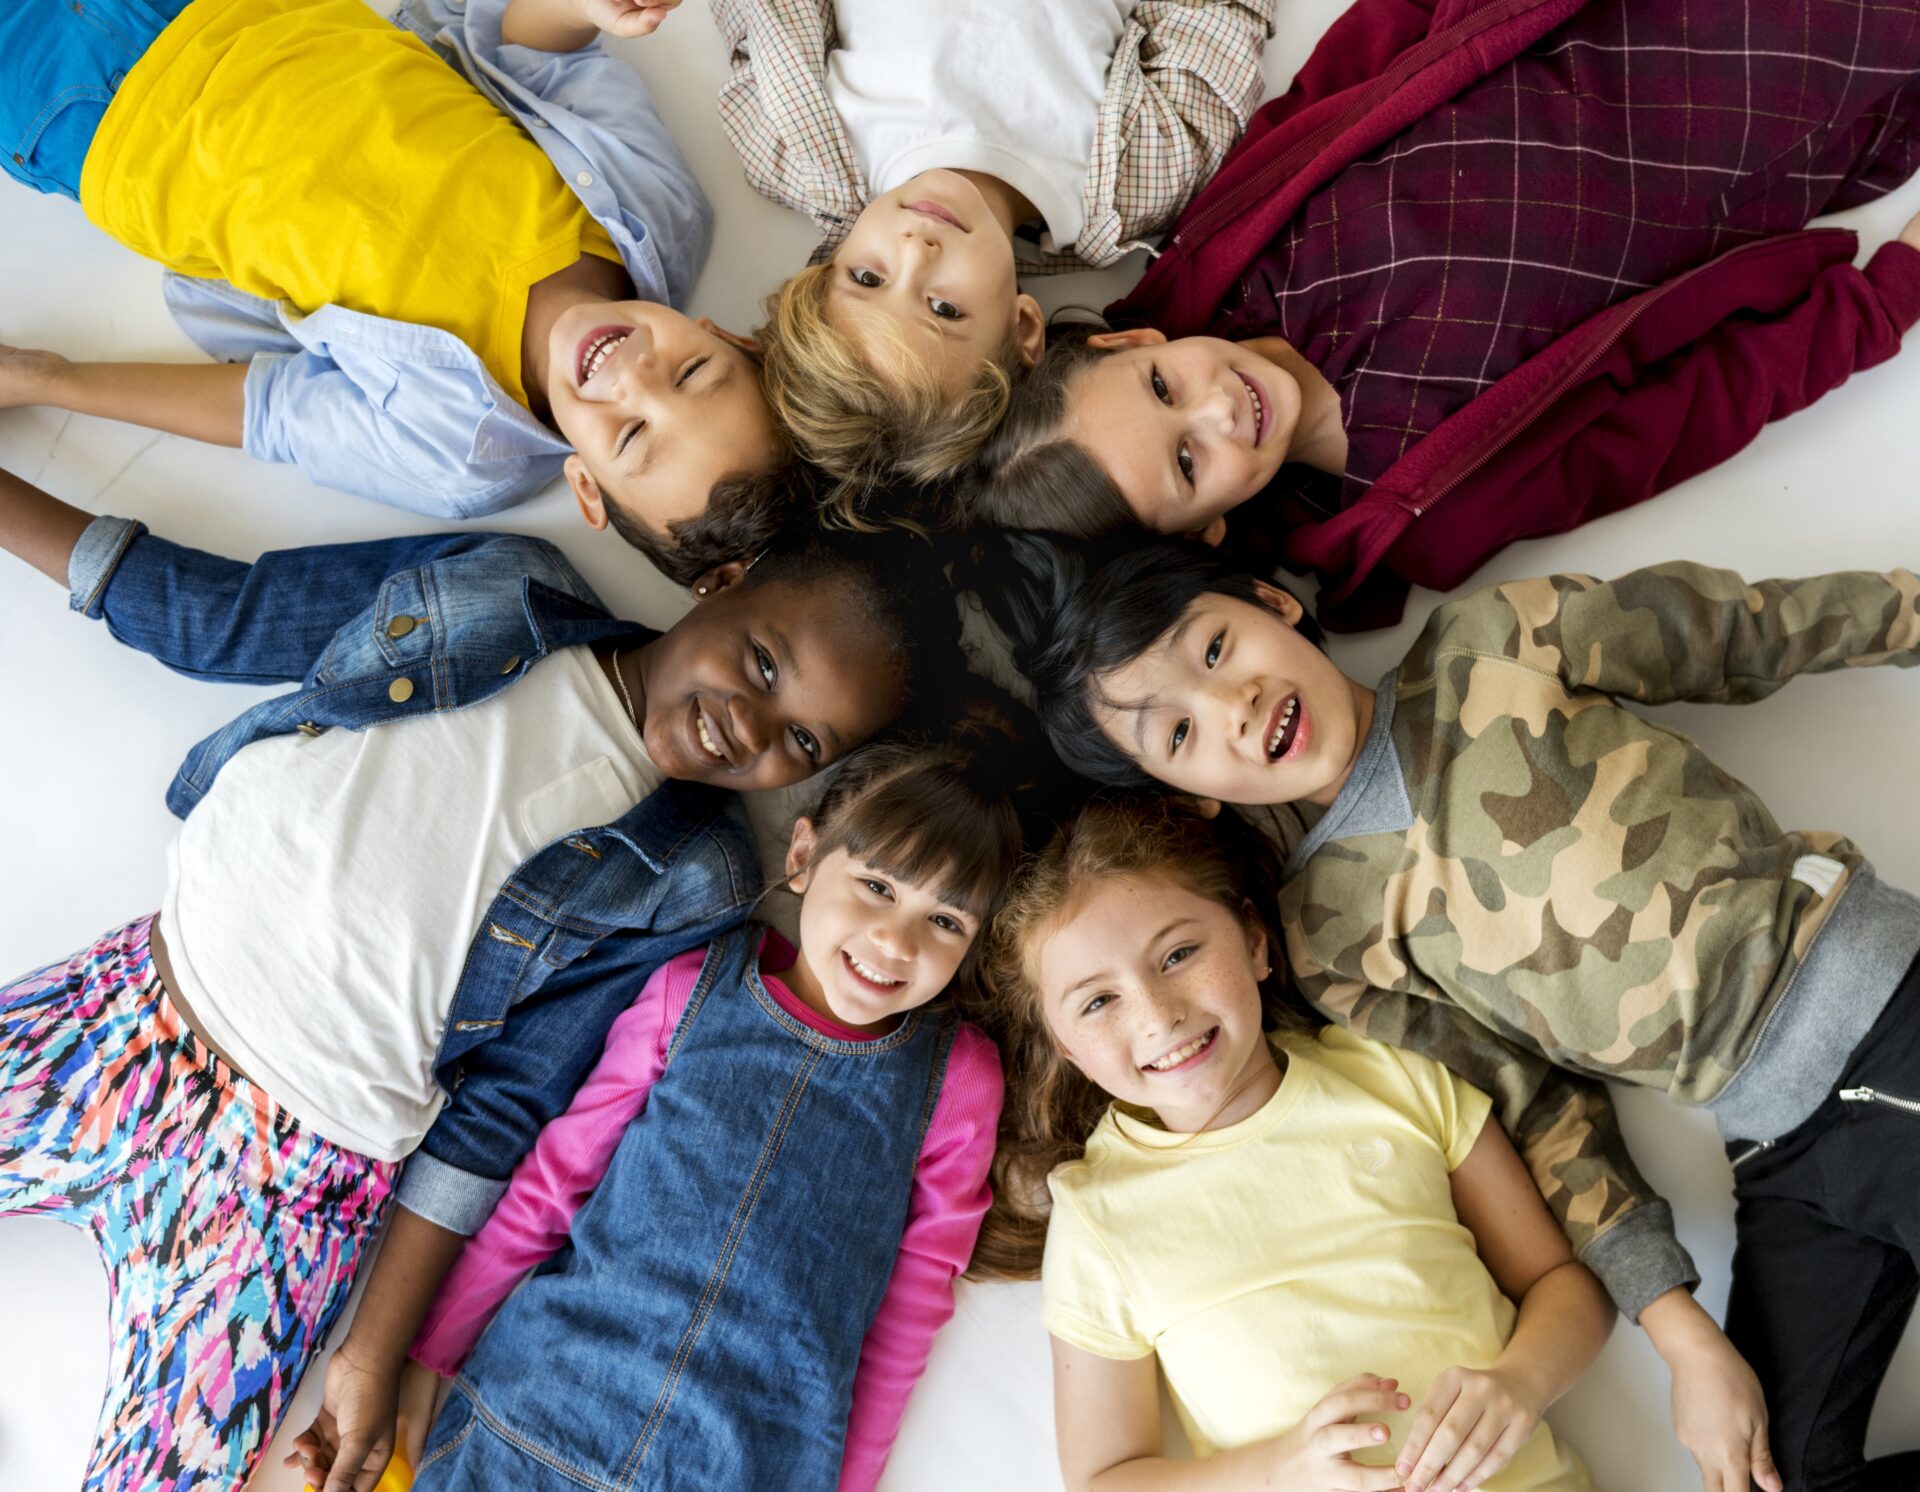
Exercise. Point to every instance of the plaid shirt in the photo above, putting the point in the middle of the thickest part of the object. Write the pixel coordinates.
(1629, 145)
(1181, 86)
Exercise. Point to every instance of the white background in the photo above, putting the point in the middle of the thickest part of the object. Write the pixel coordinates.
(90, 734)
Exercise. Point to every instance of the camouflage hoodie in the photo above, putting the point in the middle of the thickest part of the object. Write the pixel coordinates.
(1522, 872)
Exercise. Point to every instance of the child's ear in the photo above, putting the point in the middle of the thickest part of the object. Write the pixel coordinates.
(1204, 808)
(745, 344)
(586, 492)
(719, 578)
(1133, 336)
(800, 854)
(1284, 603)
(1256, 940)
(1029, 329)
(1213, 533)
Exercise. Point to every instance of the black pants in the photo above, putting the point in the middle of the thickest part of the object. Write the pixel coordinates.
(1828, 1260)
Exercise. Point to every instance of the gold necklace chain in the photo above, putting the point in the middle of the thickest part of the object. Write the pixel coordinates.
(620, 683)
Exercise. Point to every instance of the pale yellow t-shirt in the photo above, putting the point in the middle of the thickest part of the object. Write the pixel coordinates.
(1269, 1261)
(312, 152)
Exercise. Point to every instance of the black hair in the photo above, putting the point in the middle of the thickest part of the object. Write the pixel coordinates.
(742, 515)
(899, 592)
(1073, 613)
(1030, 474)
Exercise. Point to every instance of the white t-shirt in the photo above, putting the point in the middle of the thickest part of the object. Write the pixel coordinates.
(1011, 88)
(321, 899)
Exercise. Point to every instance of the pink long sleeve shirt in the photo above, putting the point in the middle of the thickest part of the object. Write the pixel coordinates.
(948, 1200)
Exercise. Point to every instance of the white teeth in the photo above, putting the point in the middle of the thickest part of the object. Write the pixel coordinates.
(706, 738)
(1259, 410)
(1273, 744)
(1180, 1054)
(598, 354)
(869, 973)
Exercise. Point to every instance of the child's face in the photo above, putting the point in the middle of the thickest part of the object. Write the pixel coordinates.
(1152, 991)
(1185, 430)
(1232, 703)
(876, 944)
(928, 265)
(761, 688)
(658, 408)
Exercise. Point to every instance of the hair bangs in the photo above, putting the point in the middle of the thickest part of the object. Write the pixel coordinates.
(936, 840)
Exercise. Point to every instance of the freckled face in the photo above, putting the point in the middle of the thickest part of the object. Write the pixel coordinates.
(1186, 430)
(1233, 703)
(657, 406)
(878, 944)
(1153, 992)
(759, 688)
(929, 261)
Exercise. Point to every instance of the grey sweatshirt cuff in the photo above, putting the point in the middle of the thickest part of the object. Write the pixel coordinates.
(1638, 1259)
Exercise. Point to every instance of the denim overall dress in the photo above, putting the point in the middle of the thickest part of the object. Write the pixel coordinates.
(700, 1330)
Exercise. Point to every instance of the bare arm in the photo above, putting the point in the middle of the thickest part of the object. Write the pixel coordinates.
(202, 401)
(1472, 1422)
(1107, 1416)
(568, 25)
(39, 528)
(352, 1436)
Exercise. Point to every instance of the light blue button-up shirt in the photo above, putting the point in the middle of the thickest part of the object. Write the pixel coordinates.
(409, 415)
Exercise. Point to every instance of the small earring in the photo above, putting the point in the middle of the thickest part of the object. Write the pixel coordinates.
(699, 590)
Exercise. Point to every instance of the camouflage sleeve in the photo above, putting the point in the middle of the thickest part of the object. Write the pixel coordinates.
(1685, 631)
(1565, 1128)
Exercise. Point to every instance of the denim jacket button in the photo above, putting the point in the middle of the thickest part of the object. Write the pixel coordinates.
(511, 664)
(400, 626)
(400, 691)
(309, 728)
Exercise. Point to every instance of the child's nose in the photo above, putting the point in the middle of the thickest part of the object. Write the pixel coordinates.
(894, 939)
(748, 729)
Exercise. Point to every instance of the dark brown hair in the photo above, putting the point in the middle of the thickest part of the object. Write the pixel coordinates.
(742, 515)
(1051, 1108)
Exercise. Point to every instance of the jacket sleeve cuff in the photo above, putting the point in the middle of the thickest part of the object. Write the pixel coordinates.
(1894, 270)
(456, 1200)
(1638, 1259)
(95, 558)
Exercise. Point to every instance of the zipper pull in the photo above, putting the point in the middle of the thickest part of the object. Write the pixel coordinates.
(1858, 1095)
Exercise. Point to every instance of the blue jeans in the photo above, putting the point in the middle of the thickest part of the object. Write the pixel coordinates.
(61, 62)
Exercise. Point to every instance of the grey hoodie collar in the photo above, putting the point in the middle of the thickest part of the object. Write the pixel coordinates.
(1374, 798)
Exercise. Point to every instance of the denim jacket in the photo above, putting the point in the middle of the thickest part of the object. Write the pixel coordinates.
(394, 628)
(408, 415)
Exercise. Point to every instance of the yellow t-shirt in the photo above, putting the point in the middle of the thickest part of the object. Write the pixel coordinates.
(309, 151)
(1269, 1261)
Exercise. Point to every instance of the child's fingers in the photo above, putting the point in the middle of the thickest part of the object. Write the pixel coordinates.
(1760, 1459)
(1448, 1436)
(1339, 1440)
(1357, 1478)
(1506, 1445)
(1475, 1446)
(1354, 1398)
(1426, 1419)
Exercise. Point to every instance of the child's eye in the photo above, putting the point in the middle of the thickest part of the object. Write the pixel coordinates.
(627, 433)
(1185, 460)
(946, 310)
(864, 277)
(1214, 647)
(1179, 737)
(1159, 386)
(949, 924)
(769, 675)
(878, 888)
(807, 742)
(1097, 1002)
(692, 368)
(1179, 955)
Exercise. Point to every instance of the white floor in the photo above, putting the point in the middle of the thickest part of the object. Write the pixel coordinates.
(91, 733)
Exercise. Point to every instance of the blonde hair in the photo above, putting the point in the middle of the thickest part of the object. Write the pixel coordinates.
(870, 416)
(1051, 1108)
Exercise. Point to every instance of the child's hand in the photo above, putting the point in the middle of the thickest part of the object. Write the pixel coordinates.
(1720, 1415)
(419, 1389)
(1468, 1426)
(628, 17)
(351, 1438)
(25, 373)
(1315, 1455)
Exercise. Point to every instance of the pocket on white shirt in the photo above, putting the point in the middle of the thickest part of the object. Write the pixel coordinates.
(586, 797)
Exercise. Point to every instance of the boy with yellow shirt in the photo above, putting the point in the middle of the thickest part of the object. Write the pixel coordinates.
(436, 258)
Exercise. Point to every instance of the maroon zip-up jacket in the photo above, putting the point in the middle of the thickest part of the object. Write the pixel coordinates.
(1525, 332)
